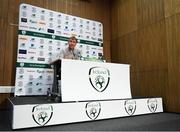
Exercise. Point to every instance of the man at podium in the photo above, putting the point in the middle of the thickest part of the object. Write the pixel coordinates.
(71, 52)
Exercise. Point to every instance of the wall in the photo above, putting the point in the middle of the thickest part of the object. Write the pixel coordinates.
(145, 34)
(9, 10)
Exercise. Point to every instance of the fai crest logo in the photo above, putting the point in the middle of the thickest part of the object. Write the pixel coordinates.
(99, 78)
(130, 106)
(42, 114)
(93, 110)
(152, 105)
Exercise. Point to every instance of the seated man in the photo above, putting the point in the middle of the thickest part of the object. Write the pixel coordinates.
(68, 53)
(71, 52)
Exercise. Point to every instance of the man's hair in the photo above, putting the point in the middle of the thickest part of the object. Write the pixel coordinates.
(73, 38)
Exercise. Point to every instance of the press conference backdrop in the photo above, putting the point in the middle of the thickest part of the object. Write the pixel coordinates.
(42, 34)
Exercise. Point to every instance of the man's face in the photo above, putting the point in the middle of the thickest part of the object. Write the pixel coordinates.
(72, 43)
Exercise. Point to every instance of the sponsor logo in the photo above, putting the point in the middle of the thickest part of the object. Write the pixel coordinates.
(58, 49)
(33, 9)
(51, 19)
(130, 106)
(33, 15)
(40, 71)
(22, 26)
(42, 17)
(152, 105)
(39, 83)
(31, 58)
(88, 32)
(21, 77)
(22, 58)
(93, 38)
(41, 59)
(24, 20)
(41, 53)
(34, 28)
(42, 11)
(32, 39)
(67, 34)
(42, 23)
(24, 14)
(33, 22)
(20, 83)
(22, 45)
(24, 7)
(21, 71)
(22, 38)
(19, 90)
(99, 39)
(29, 90)
(93, 48)
(93, 110)
(30, 83)
(22, 51)
(49, 71)
(99, 78)
(31, 52)
(30, 71)
(94, 53)
(31, 77)
(42, 114)
(53, 36)
(21, 64)
(58, 32)
(51, 14)
(41, 29)
(101, 44)
(39, 90)
(50, 30)
(41, 46)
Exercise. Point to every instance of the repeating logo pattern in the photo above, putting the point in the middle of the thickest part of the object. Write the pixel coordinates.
(93, 110)
(152, 104)
(99, 78)
(42, 34)
(130, 106)
(42, 114)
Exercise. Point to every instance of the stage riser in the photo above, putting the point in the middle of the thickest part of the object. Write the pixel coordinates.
(25, 116)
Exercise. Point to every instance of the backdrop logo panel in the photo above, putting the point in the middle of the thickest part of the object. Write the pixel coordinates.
(130, 106)
(93, 110)
(99, 78)
(152, 104)
(42, 114)
(42, 35)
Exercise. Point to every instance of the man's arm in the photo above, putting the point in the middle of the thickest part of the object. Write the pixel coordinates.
(61, 54)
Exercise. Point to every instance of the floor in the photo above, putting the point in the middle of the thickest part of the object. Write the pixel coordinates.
(152, 122)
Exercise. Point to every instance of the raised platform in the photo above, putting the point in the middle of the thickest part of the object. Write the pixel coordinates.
(36, 111)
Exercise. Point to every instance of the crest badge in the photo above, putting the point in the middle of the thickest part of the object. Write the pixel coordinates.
(42, 114)
(152, 105)
(93, 110)
(130, 106)
(99, 78)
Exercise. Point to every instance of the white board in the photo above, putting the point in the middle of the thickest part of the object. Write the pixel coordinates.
(81, 80)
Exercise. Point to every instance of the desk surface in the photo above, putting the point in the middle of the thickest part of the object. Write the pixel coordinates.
(23, 100)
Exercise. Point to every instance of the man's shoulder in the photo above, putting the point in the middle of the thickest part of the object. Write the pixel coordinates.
(64, 49)
(77, 50)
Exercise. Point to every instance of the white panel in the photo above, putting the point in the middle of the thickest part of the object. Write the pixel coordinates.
(76, 85)
(61, 113)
